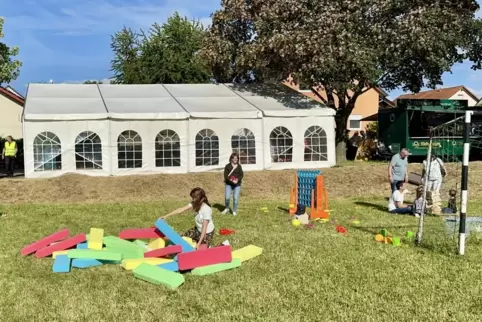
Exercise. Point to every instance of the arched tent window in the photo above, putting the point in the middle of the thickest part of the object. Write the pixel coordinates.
(243, 142)
(88, 151)
(316, 147)
(281, 145)
(207, 148)
(168, 149)
(129, 150)
(47, 152)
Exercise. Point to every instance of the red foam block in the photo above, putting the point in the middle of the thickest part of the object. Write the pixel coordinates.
(161, 252)
(141, 233)
(204, 257)
(44, 242)
(63, 245)
(203, 246)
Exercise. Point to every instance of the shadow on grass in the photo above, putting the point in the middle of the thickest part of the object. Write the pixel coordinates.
(371, 205)
(284, 209)
(218, 206)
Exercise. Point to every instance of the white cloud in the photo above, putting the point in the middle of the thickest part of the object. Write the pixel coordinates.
(104, 16)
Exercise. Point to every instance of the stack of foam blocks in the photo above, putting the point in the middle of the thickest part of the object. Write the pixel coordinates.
(162, 260)
(433, 199)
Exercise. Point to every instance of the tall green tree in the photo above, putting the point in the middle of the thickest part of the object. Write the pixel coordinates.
(167, 53)
(344, 47)
(9, 67)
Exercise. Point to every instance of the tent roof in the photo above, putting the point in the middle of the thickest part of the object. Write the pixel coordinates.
(60, 102)
(181, 101)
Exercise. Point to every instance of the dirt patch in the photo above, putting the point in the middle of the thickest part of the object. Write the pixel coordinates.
(357, 180)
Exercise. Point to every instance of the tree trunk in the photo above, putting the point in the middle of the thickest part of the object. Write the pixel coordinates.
(340, 137)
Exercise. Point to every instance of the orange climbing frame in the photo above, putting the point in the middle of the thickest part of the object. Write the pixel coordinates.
(319, 203)
(319, 209)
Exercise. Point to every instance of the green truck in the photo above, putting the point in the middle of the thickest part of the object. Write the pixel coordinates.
(409, 126)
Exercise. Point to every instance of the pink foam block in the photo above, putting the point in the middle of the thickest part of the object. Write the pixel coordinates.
(203, 246)
(204, 257)
(161, 252)
(63, 245)
(44, 242)
(140, 233)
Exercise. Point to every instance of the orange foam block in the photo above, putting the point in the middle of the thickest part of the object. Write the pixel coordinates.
(204, 257)
(63, 245)
(141, 233)
(44, 242)
(161, 252)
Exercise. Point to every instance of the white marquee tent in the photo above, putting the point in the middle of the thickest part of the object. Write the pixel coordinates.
(103, 130)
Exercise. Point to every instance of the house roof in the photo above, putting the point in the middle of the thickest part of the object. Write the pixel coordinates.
(11, 96)
(438, 94)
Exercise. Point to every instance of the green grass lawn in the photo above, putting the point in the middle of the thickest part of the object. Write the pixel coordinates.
(302, 275)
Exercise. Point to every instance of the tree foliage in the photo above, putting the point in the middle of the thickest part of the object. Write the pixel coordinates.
(9, 67)
(168, 53)
(344, 47)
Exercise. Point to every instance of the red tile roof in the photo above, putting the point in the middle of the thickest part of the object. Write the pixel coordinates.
(11, 96)
(438, 94)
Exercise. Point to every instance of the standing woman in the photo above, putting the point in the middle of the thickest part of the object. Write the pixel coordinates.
(436, 173)
(233, 176)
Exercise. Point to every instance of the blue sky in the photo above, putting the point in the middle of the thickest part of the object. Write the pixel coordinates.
(68, 41)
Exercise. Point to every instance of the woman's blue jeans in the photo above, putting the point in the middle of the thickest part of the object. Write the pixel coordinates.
(227, 196)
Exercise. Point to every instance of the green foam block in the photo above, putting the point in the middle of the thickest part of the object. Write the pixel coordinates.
(95, 254)
(128, 249)
(211, 269)
(159, 276)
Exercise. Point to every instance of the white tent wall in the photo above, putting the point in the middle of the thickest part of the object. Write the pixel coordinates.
(148, 132)
(292, 156)
(42, 140)
(224, 129)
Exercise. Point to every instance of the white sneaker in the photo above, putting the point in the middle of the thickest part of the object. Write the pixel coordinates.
(417, 215)
(225, 211)
(234, 213)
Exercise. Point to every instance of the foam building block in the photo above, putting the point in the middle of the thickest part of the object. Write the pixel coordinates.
(130, 264)
(63, 245)
(60, 252)
(82, 246)
(141, 233)
(158, 276)
(44, 242)
(247, 253)
(161, 252)
(85, 262)
(127, 248)
(202, 246)
(61, 264)
(156, 243)
(141, 243)
(171, 266)
(96, 239)
(190, 241)
(211, 269)
(205, 257)
(95, 254)
(174, 238)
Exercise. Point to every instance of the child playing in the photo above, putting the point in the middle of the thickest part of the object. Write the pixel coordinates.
(418, 203)
(203, 231)
(452, 204)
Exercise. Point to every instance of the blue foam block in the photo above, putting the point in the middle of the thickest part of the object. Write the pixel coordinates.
(174, 237)
(82, 246)
(171, 266)
(85, 262)
(61, 264)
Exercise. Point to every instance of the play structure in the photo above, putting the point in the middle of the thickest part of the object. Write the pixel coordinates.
(161, 260)
(309, 191)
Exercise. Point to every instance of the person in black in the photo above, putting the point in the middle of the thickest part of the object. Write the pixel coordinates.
(233, 176)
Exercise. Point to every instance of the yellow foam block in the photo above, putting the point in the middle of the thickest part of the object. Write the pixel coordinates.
(156, 243)
(96, 239)
(130, 264)
(190, 241)
(60, 252)
(247, 253)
